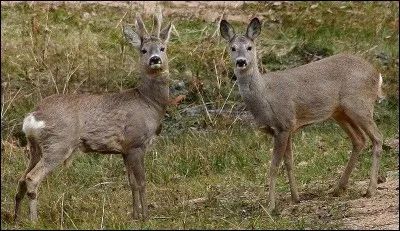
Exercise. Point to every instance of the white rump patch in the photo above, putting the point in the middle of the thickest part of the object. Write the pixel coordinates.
(30, 125)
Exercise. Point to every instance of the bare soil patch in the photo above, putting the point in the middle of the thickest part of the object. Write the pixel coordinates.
(351, 211)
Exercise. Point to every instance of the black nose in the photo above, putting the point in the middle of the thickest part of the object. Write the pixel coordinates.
(155, 60)
(241, 62)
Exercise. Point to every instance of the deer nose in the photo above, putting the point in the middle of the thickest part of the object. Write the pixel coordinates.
(241, 62)
(155, 60)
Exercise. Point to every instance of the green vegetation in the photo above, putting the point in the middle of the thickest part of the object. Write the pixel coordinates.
(63, 49)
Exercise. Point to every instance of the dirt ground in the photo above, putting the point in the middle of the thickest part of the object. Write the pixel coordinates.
(378, 212)
(381, 212)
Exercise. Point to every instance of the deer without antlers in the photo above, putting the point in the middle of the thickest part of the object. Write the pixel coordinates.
(342, 87)
(115, 123)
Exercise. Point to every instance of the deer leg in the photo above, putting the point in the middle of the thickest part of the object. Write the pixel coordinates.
(358, 140)
(50, 159)
(140, 176)
(35, 155)
(372, 131)
(134, 162)
(134, 186)
(280, 141)
(33, 179)
(288, 160)
(367, 124)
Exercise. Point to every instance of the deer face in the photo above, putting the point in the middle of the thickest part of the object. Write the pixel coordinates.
(152, 48)
(153, 54)
(242, 47)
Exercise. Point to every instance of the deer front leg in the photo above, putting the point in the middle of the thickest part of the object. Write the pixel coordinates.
(280, 142)
(134, 162)
(288, 159)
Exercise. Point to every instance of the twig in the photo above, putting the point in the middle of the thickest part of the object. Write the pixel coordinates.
(196, 200)
(236, 227)
(69, 77)
(70, 220)
(47, 34)
(218, 86)
(79, 85)
(116, 26)
(3, 112)
(370, 49)
(204, 104)
(175, 31)
(223, 105)
(102, 184)
(62, 212)
(219, 22)
(54, 81)
(32, 49)
(161, 218)
(102, 215)
(234, 121)
(267, 212)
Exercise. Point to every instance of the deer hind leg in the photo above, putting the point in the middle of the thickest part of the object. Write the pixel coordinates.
(358, 140)
(52, 156)
(34, 157)
(134, 162)
(288, 160)
(280, 142)
(367, 124)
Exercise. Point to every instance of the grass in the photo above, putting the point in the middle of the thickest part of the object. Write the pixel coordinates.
(48, 50)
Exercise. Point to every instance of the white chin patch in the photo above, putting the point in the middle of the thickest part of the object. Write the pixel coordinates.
(155, 66)
(242, 67)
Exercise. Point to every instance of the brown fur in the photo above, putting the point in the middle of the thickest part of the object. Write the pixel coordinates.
(113, 123)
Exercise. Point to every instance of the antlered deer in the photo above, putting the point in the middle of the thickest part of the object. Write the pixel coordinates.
(343, 87)
(116, 123)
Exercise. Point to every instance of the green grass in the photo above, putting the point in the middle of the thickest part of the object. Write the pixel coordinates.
(226, 160)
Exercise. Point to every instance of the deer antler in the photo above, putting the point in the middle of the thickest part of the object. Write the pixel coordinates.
(157, 22)
(142, 28)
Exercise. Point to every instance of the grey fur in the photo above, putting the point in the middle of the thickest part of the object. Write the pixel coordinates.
(342, 87)
(113, 123)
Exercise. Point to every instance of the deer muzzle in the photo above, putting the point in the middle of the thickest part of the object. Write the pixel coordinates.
(155, 62)
(241, 63)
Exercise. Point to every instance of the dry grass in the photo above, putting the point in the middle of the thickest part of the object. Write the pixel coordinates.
(206, 170)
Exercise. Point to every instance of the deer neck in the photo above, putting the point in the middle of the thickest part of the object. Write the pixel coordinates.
(250, 81)
(252, 88)
(154, 89)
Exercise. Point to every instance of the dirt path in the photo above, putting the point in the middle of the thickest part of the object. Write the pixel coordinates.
(378, 212)
(351, 212)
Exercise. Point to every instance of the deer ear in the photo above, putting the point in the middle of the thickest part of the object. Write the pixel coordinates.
(254, 29)
(133, 38)
(165, 33)
(226, 30)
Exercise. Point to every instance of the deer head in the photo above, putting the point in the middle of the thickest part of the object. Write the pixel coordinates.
(243, 49)
(152, 47)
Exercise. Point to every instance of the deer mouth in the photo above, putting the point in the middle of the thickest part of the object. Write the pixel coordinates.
(241, 64)
(241, 67)
(155, 62)
(155, 66)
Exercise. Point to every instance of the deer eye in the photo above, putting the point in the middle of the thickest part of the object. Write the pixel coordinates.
(162, 49)
(143, 51)
(249, 48)
(233, 48)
